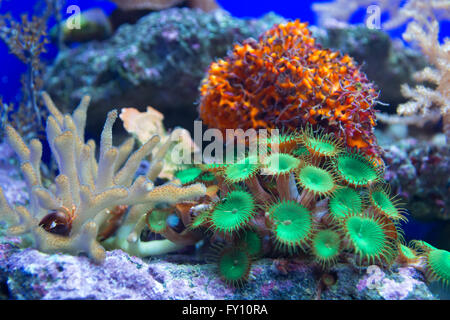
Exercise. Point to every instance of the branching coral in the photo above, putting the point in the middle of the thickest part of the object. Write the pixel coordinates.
(286, 80)
(66, 216)
(399, 12)
(424, 31)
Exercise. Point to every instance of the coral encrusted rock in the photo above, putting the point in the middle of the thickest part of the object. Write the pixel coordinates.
(188, 277)
(159, 61)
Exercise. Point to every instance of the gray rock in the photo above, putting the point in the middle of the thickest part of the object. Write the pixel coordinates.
(29, 274)
(158, 61)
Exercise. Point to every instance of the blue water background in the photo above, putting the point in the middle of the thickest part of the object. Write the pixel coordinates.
(11, 68)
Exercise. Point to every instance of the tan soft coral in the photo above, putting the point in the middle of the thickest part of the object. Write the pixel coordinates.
(144, 125)
(87, 190)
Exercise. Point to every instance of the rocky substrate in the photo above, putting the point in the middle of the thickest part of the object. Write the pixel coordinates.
(29, 274)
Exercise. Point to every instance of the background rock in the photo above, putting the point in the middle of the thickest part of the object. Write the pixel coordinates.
(159, 61)
(29, 274)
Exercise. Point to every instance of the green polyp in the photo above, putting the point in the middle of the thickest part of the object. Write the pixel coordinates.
(326, 246)
(292, 224)
(234, 265)
(200, 220)
(367, 237)
(382, 201)
(407, 252)
(281, 163)
(252, 242)
(301, 151)
(315, 179)
(439, 264)
(242, 169)
(322, 147)
(234, 212)
(188, 175)
(157, 221)
(355, 169)
(344, 201)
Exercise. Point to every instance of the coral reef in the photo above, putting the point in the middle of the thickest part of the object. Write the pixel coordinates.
(67, 216)
(166, 55)
(325, 205)
(188, 277)
(285, 80)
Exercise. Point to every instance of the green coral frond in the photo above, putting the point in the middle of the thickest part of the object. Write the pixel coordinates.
(292, 224)
(188, 175)
(242, 170)
(369, 237)
(357, 169)
(234, 212)
(326, 247)
(344, 200)
(234, 265)
(280, 164)
(320, 181)
(379, 197)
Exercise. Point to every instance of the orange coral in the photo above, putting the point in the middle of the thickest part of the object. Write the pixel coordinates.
(285, 80)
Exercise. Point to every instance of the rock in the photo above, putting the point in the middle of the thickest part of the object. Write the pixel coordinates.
(11, 181)
(159, 61)
(386, 62)
(418, 172)
(29, 274)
